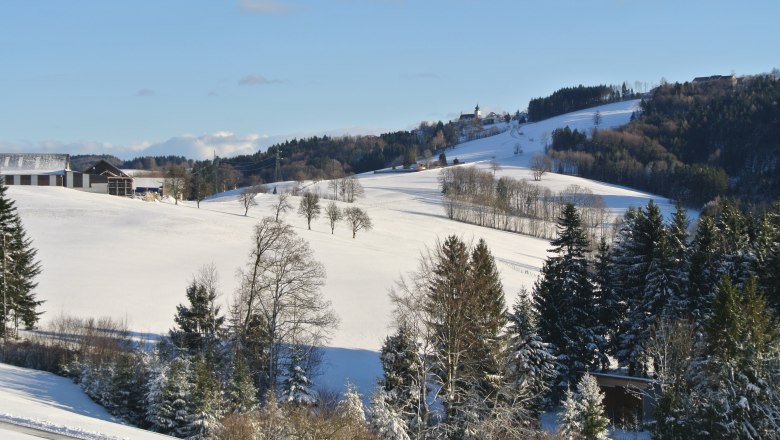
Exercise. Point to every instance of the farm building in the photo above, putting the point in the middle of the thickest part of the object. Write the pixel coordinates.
(116, 182)
(627, 399)
(38, 169)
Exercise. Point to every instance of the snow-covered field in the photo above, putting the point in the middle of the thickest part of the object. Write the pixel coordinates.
(129, 259)
(47, 402)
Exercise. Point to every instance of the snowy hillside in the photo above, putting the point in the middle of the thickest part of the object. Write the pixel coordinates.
(108, 256)
(45, 402)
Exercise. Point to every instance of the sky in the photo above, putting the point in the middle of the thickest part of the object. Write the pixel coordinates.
(199, 77)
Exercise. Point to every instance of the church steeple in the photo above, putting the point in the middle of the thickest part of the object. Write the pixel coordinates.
(477, 114)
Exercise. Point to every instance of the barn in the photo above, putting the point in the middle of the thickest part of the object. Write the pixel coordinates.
(43, 169)
(116, 182)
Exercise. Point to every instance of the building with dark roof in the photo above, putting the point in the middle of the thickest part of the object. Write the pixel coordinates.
(38, 169)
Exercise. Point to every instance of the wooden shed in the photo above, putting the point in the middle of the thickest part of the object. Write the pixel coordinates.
(627, 399)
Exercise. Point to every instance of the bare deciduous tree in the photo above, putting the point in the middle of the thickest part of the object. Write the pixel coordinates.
(247, 198)
(309, 207)
(282, 205)
(334, 214)
(540, 164)
(357, 220)
(351, 189)
(279, 300)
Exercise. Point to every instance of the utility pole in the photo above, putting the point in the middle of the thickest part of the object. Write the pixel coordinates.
(277, 173)
(214, 165)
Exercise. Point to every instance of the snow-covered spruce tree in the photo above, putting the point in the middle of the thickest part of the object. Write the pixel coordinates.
(403, 378)
(530, 367)
(565, 304)
(352, 413)
(199, 323)
(205, 400)
(583, 412)
(383, 418)
(590, 407)
(131, 373)
(569, 423)
(704, 274)
(679, 252)
(168, 398)
(768, 254)
(739, 259)
(240, 391)
(736, 392)
(18, 269)
(635, 252)
(296, 386)
(609, 304)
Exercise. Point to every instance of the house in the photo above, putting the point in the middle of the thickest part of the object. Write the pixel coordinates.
(627, 399)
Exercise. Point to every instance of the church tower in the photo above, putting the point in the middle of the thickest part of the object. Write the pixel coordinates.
(477, 114)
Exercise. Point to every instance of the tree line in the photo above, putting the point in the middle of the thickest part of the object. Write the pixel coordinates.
(692, 141)
(569, 99)
(475, 196)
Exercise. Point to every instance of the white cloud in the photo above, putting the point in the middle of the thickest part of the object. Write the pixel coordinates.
(224, 143)
(257, 80)
(265, 6)
(199, 147)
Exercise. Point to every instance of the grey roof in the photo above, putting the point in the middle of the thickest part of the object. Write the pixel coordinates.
(33, 163)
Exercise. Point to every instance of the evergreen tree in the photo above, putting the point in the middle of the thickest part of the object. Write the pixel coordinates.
(531, 366)
(609, 304)
(487, 315)
(583, 412)
(640, 253)
(591, 409)
(569, 423)
(738, 257)
(204, 402)
(736, 393)
(199, 323)
(19, 269)
(704, 271)
(296, 387)
(350, 406)
(383, 419)
(679, 253)
(403, 381)
(241, 393)
(565, 302)
(446, 306)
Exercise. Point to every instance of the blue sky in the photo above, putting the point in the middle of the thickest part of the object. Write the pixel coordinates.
(189, 76)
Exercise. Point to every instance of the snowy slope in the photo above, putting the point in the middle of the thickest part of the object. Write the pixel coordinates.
(51, 403)
(130, 259)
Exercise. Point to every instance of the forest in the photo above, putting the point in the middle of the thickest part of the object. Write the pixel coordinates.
(692, 141)
(569, 99)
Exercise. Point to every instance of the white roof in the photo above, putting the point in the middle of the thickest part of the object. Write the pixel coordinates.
(33, 163)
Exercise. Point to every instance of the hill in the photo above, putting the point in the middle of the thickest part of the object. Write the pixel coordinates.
(714, 136)
(133, 260)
